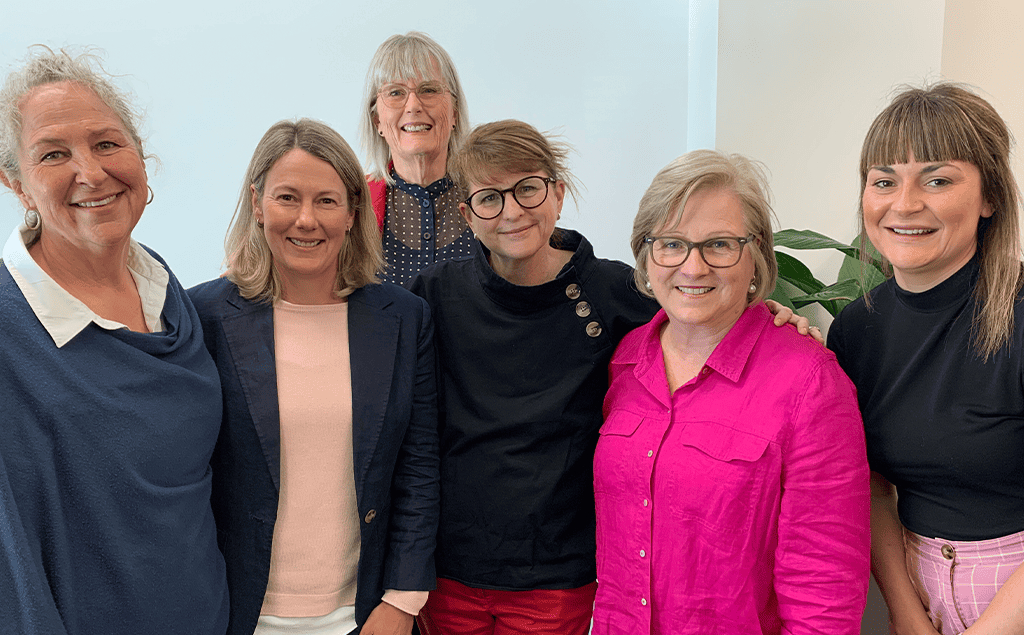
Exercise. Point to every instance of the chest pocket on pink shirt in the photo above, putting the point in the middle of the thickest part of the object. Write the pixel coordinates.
(615, 461)
(714, 475)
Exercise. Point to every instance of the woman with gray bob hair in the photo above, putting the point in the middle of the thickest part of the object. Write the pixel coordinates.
(104, 475)
(414, 117)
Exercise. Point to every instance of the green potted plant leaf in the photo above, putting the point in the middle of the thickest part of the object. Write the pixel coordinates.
(797, 285)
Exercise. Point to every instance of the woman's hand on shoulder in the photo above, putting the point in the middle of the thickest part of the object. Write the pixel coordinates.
(388, 620)
(785, 315)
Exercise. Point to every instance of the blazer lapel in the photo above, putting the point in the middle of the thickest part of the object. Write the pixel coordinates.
(249, 330)
(373, 342)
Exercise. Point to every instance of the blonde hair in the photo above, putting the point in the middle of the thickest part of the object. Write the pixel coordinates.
(250, 262)
(663, 203)
(948, 122)
(402, 58)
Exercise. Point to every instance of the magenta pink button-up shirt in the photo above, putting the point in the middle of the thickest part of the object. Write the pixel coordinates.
(740, 503)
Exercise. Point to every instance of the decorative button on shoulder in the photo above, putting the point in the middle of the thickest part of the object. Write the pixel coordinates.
(583, 309)
(572, 291)
(593, 329)
(370, 515)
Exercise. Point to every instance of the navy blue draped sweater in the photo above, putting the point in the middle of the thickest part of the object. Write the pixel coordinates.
(105, 444)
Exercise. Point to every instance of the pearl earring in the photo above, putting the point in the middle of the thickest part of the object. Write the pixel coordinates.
(753, 288)
(32, 219)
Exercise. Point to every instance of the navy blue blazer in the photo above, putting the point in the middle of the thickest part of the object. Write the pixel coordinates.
(395, 447)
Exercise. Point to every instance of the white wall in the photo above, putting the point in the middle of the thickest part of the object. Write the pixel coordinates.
(799, 82)
(982, 46)
(213, 76)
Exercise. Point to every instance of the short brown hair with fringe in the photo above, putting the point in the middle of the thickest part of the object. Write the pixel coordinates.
(663, 203)
(250, 262)
(510, 146)
(948, 122)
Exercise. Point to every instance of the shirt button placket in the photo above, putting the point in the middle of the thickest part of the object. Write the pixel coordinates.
(427, 242)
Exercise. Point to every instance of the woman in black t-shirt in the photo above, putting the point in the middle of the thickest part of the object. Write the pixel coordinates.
(936, 354)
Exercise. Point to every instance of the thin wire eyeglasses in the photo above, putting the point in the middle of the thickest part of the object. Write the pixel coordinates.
(720, 252)
(529, 192)
(395, 95)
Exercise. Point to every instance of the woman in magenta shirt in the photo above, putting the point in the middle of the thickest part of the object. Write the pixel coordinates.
(730, 477)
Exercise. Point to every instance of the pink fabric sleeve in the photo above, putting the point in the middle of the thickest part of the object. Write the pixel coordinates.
(823, 557)
(408, 601)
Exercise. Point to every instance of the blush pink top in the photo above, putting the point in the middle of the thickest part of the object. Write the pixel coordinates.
(738, 504)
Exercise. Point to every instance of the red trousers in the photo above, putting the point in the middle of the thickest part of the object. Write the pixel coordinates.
(456, 609)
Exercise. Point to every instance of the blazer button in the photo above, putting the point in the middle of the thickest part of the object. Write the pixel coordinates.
(594, 329)
(572, 291)
(370, 515)
(583, 309)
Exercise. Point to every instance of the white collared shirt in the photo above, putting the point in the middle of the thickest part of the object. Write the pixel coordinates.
(63, 315)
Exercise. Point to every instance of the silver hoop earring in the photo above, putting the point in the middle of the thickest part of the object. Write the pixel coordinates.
(151, 195)
(33, 220)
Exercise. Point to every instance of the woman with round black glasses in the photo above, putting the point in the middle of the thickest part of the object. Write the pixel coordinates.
(524, 331)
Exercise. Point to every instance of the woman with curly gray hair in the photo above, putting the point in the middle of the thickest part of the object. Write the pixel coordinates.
(111, 400)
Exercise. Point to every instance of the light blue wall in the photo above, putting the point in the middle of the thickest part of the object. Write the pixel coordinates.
(213, 76)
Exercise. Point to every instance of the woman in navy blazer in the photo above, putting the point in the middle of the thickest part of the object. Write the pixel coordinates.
(303, 240)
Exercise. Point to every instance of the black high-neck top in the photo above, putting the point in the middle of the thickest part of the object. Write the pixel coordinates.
(944, 426)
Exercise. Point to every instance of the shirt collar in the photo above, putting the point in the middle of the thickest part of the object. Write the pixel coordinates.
(730, 356)
(63, 315)
(432, 191)
(728, 359)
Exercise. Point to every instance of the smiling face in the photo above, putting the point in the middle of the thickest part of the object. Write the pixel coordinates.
(923, 217)
(416, 130)
(518, 239)
(694, 294)
(305, 213)
(80, 170)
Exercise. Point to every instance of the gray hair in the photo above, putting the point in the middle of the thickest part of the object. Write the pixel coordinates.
(45, 66)
(401, 58)
(662, 206)
(249, 259)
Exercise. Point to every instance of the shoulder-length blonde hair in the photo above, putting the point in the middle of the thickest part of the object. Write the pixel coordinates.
(401, 58)
(663, 203)
(948, 122)
(250, 263)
